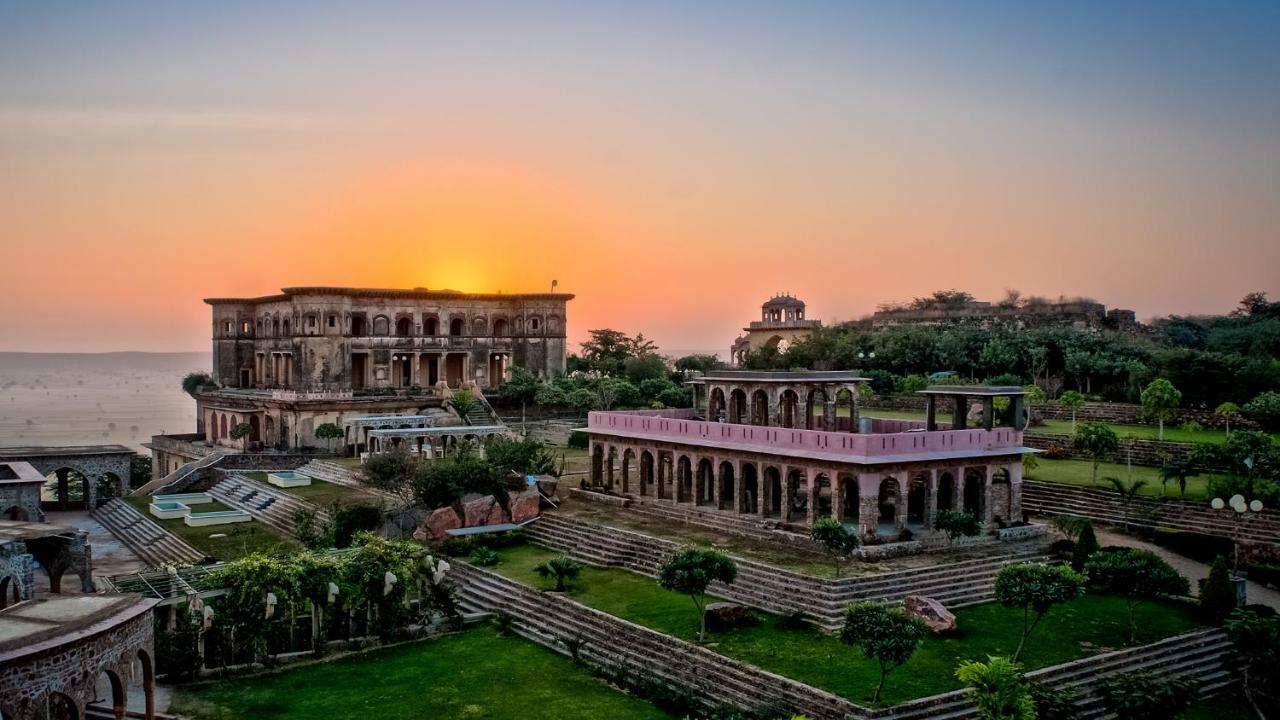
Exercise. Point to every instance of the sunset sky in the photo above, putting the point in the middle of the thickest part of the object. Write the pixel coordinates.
(673, 164)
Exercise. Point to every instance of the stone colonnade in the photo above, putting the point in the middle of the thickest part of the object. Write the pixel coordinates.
(880, 500)
(801, 404)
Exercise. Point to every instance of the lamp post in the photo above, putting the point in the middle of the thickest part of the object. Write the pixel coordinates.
(1241, 508)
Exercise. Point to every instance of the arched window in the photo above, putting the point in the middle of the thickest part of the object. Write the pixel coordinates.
(430, 325)
(456, 327)
(381, 325)
(359, 326)
(287, 331)
(534, 324)
(478, 327)
(404, 326)
(500, 327)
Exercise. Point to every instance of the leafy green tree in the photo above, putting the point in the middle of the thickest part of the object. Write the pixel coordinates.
(1217, 592)
(328, 432)
(241, 431)
(691, 571)
(391, 473)
(1264, 410)
(465, 404)
(607, 350)
(1036, 589)
(524, 456)
(192, 382)
(550, 395)
(1146, 696)
(1128, 492)
(617, 392)
(443, 481)
(562, 569)
(1180, 470)
(1257, 638)
(351, 519)
(835, 539)
(998, 689)
(139, 470)
(1096, 440)
(885, 634)
(585, 399)
(522, 387)
(1069, 525)
(699, 363)
(1136, 575)
(1160, 400)
(1085, 547)
(956, 524)
(1228, 411)
(650, 366)
(1072, 401)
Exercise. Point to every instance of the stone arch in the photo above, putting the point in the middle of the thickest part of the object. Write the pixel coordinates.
(222, 428)
(846, 410)
(16, 513)
(646, 472)
(108, 486)
(359, 325)
(816, 403)
(501, 328)
(59, 706)
(975, 490)
(666, 474)
(535, 325)
(946, 491)
(10, 591)
(737, 405)
(381, 325)
(553, 324)
(759, 408)
(704, 491)
(628, 462)
(255, 429)
(430, 324)
(270, 435)
(716, 405)
(71, 488)
(848, 489)
(684, 479)
(728, 486)
(288, 328)
(115, 688)
(918, 499)
(788, 408)
(610, 460)
(772, 491)
(404, 326)
(889, 502)
(823, 496)
(1001, 490)
(597, 465)
(798, 493)
(457, 326)
(148, 682)
(750, 488)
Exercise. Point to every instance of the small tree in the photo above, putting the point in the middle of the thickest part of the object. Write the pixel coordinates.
(1073, 401)
(1128, 492)
(691, 571)
(1036, 589)
(956, 523)
(1069, 525)
(1257, 638)
(521, 387)
(1087, 545)
(1228, 411)
(562, 569)
(192, 382)
(391, 472)
(1159, 400)
(465, 404)
(1136, 575)
(887, 635)
(1217, 592)
(998, 689)
(241, 431)
(832, 535)
(1096, 440)
(1145, 696)
(328, 432)
(1179, 469)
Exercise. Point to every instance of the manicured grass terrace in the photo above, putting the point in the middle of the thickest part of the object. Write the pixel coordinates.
(1172, 433)
(1086, 626)
(319, 493)
(1080, 472)
(472, 674)
(240, 538)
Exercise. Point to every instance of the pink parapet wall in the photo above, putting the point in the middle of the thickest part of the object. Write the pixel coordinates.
(888, 438)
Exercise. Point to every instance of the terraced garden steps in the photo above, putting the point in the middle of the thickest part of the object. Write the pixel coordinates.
(955, 584)
(1046, 498)
(146, 538)
(269, 505)
(548, 618)
(338, 475)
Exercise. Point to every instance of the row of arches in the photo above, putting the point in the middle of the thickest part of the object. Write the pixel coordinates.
(108, 691)
(816, 409)
(893, 501)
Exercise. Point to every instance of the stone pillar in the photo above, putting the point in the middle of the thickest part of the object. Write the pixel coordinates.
(739, 489)
(868, 504)
(786, 493)
(930, 413)
(931, 499)
(960, 413)
(811, 511)
(715, 482)
(900, 506)
(829, 414)
(986, 498)
(988, 413)
(1015, 492)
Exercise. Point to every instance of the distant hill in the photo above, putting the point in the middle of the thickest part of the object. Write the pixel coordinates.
(108, 362)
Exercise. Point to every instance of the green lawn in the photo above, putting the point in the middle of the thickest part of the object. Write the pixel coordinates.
(320, 493)
(1080, 472)
(1063, 427)
(472, 674)
(1220, 708)
(1086, 626)
(238, 539)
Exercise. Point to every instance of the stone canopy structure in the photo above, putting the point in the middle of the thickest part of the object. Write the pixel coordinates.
(782, 321)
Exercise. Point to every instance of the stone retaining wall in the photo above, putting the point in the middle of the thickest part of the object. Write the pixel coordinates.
(1151, 453)
(1120, 413)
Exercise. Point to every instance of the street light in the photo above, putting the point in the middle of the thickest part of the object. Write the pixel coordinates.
(1238, 504)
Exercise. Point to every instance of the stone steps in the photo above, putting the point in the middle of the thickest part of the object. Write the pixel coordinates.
(147, 539)
(1105, 506)
(179, 479)
(547, 618)
(270, 506)
(339, 475)
(705, 516)
(959, 583)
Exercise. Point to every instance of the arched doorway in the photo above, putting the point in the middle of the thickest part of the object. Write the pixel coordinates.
(750, 488)
(789, 408)
(822, 495)
(609, 463)
(716, 405)
(918, 499)
(772, 492)
(888, 503)
(10, 592)
(759, 408)
(148, 682)
(255, 429)
(849, 510)
(946, 492)
(597, 465)
(728, 486)
(1000, 495)
(737, 406)
(646, 473)
(16, 513)
(684, 479)
(65, 489)
(666, 475)
(61, 707)
(815, 416)
(109, 687)
(846, 415)
(975, 490)
(628, 462)
(798, 491)
(704, 490)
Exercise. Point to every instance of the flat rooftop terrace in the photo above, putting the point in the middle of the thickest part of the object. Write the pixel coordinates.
(25, 451)
(36, 625)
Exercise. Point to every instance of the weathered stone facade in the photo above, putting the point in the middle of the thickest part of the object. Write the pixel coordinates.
(54, 671)
(95, 463)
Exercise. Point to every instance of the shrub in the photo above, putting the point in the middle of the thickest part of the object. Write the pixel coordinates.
(1197, 546)
(998, 689)
(351, 519)
(1036, 589)
(1143, 696)
(562, 569)
(1264, 410)
(1086, 545)
(484, 557)
(835, 539)
(885, 634)
(579, 440)
(1054, 703)
(1256, 636)
(1217, 593)
(1136, 575)
(956, 523)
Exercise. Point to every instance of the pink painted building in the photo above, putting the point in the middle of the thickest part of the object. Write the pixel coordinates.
(881, 475)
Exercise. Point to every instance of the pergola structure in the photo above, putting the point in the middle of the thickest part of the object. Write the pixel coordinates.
(430, 441)
(892, 475)
(812, 400)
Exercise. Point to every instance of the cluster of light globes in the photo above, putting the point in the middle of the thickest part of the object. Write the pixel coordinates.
(1237, 503)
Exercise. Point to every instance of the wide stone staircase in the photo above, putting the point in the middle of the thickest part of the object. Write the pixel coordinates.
(269, 505)
(747, 526)
(331, 472)
(180, 479)
(550, 618)
(955, 583)
(148, 540)
(1045, 498)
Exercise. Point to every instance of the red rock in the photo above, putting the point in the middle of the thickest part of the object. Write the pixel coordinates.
(437, 525)
(475, 509)
(934, 613)
(524, 505)
(497, 515)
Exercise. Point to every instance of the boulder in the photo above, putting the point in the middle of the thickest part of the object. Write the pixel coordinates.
(524, 505)
(934, 613)
(497, 515)
(723, 616)
(437, 525)
(475, 509)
